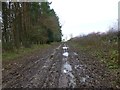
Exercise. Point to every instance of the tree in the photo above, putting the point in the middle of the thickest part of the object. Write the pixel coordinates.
(27, 23)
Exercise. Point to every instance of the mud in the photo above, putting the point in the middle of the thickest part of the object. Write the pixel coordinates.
(58, 67)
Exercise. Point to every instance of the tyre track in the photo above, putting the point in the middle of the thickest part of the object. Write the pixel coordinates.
(22, 78)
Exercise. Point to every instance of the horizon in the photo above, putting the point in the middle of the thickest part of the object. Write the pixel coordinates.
(75, 21)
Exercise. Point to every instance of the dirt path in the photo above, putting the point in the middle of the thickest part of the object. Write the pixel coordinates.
(62, 67)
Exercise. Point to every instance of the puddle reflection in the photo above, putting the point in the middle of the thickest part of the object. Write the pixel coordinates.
(65, 47)
(75, 53)
(83, 79)
(65, 54)
(67, 67)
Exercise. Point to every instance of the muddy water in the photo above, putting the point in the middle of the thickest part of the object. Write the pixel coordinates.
(65, 54)
(67, 78)
(68, 70)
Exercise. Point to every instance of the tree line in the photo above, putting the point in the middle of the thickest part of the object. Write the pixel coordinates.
(28, 23)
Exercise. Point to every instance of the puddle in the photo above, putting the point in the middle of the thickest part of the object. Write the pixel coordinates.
(64, 71)
(72, 82)
(83, 79)
(65, 47)
(44, 66)
(75, 53)
(64, 59)
(67, 68)
(87, 76)
(78, 66)
(65, 54)
(67, 79)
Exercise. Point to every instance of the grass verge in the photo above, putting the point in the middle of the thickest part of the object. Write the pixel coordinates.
(6, 56)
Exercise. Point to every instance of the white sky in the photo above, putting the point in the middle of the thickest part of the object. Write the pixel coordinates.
(85, 16)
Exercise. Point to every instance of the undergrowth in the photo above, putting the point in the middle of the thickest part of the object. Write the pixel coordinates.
(103, 46)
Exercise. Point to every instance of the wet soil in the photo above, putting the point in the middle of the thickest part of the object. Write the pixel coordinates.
(60, 66)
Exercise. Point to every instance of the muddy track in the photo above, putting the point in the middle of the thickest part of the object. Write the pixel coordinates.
(22, 74)
(62, 67)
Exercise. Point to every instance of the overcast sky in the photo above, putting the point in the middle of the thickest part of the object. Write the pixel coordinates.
(85, 16)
